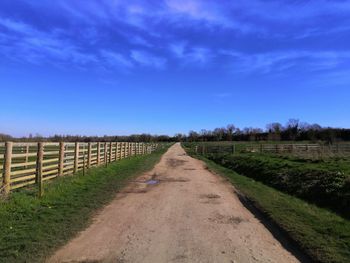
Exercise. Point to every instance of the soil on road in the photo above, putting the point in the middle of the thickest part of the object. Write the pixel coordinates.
(178, 212)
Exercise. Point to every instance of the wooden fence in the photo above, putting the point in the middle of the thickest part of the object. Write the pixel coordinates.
(342, 149)
(23, 164)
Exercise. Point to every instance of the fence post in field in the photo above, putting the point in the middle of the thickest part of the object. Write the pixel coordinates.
(76, 156)
(105, 153)
(120, 150)
(39, 169)
(89, 155)
(27, 152)
(61, 159)
(84, 159)
(110, 152)
(7, 167)
(116, 151)
(98, 154)
(261, 148)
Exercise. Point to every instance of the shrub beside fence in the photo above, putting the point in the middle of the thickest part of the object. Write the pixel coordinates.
(23, 164)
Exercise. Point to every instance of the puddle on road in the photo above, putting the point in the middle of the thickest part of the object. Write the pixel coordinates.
(151, 182)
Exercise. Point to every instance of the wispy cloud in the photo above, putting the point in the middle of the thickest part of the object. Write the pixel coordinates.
(188, 33)
(267, 63)
(147, 59)
(116, 60)
(292, 10)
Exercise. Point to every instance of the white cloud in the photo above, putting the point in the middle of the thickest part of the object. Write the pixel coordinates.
(280, 61)
(191, 56)
(144, 58)
(116, 59)
(296, 11)
(178, 49)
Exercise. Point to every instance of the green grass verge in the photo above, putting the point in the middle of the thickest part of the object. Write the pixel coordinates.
(32, 228)
(321, 234)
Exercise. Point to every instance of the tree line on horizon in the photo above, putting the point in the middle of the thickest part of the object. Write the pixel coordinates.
(293, 130)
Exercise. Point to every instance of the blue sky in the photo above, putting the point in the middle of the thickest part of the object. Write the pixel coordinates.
(120, 67)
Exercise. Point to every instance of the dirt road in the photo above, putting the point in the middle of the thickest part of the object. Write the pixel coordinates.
(184, 214)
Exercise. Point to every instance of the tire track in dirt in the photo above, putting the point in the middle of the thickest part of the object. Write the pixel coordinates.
(178, 212)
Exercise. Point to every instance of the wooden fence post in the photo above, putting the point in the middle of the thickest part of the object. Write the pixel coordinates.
(61, 159)
(76, 157)
(39, 169)
(110, 151)
(27, 152)
(89, 155)
(105, 153)
(98, 153)
(84, 158)
(7, 167)
(122, 149)
(116, 151)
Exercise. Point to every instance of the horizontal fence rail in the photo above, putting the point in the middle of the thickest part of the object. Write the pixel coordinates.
(23, 164)
(334, 149)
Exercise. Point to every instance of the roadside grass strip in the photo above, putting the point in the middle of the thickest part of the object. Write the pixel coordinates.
(32, 228)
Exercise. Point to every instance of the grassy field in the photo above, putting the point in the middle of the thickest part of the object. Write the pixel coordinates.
(31, 228)
(325, 183)
(321, 234)
(297, 149)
